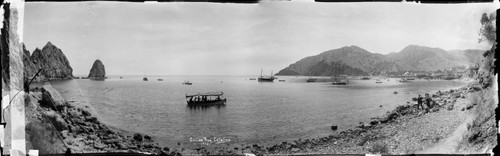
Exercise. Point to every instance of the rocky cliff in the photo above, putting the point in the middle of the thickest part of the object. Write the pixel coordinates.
(4, 48)
(29, 67)
(354, 60)
(53, 63)
(97, 71)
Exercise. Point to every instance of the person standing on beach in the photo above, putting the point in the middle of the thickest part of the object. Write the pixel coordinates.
(420, 99)
(428, 100)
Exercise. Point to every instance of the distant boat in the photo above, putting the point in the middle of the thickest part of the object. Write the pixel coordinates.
(450, 77)
(403, 80)
(205, 99)
(252, 79)
(187, 83)
(340, 80)
(145, 79)
(378, 81)
(365, 78)
(266, 78)
(121, 77)
(160, 79)
(281, 80)
(311, 80)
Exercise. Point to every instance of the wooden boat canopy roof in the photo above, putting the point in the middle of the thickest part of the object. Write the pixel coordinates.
(205, 94)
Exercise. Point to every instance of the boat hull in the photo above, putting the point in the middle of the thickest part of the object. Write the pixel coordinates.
(209, 103)
(265, 80)
(339, 83)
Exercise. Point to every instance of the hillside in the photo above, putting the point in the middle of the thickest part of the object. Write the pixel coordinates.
(350, 60)
(420, 58)
(354, 60)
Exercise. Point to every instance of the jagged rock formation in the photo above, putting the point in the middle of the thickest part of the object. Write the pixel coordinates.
(97, 71)
(354, 60)
(29, 67)
(53, 63)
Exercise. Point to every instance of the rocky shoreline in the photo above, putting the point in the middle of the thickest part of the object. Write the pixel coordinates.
(74, 128)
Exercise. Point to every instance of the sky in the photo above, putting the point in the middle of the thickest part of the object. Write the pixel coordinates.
(181, 38)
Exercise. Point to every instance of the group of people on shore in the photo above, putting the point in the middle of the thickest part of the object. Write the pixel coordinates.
(427, 100)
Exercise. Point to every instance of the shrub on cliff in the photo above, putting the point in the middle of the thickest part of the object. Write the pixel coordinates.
(482, 132)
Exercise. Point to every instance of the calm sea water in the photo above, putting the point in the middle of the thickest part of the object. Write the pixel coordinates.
(264, 113)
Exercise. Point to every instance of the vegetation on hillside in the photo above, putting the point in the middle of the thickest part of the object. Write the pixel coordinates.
(482, 131)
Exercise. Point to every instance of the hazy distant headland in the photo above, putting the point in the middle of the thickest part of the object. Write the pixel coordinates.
(353, 60)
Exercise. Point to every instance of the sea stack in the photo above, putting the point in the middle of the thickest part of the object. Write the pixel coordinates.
(97, 71)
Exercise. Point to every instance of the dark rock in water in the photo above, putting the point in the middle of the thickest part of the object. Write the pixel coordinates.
(334, 128)
(138, 137)
(52, 98)
(147, 137)
(53, 63)
(97, 71)
(85, 113)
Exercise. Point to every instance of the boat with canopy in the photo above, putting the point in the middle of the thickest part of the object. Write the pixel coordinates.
(205, 99)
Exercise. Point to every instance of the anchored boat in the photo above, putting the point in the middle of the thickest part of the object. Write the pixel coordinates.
(266, 78)
(311, 80)
(206, 99)
(365, 78)
(404, 80)
(187, 83)
(340, 80)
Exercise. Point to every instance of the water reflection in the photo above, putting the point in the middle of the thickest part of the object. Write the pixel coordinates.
(198, 107)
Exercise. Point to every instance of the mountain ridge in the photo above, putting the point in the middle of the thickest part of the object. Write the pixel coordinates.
(354, 60)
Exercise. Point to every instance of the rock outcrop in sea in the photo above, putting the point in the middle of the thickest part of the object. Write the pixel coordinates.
(51, 60)
(97, 71)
